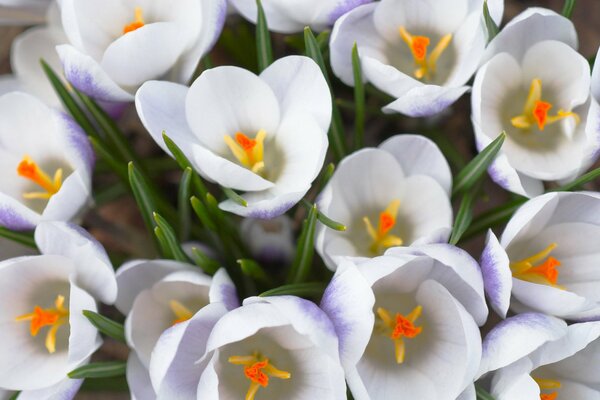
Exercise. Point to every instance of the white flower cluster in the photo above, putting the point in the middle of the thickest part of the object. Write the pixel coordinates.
(402, 314)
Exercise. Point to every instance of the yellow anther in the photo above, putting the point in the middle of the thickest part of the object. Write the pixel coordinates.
(539, 268)
(28, 169)
(535, 112)
(382, 238)
(426, 65)
(548, 384)
(400, 327)
(182, 313)
(258, 370)
(137, 23)
(52, 317)
(249, 152)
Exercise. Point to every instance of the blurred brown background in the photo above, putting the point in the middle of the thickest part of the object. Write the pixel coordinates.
(456, 128)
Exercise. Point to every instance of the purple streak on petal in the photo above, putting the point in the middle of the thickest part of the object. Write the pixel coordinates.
(230, 297)
(537, 320)
(93, 241)
(317, 315)
(84, 82)
(330, 305)
(220, 22)
(271, 213)
(498, 177)
(80, 142)
(343, 7)
(10, 219)
(491, 279)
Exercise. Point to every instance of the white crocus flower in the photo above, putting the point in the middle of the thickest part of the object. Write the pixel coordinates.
(47, 164)
(44, 333)
(407, 323)
(23, 12)
(395, 195)
(536, 356)
(115, 45)
(289, 17)
(547, 258)
(422, 53)
(266, 135)
(156, 295)
(270, 241)
(270, 348)
(536, 88)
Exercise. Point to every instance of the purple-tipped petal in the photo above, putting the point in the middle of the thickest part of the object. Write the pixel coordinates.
(497, 277)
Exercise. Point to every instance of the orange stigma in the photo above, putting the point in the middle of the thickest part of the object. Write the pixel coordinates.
(28, 169)
(418, 45)
(382, 239)
(550, 396)
(182, 313)
(249, 152)
(52, 317)
(399, 328)
(548, 384)
(539, 268)
(258, 370)
(536, 111)
(137, 23)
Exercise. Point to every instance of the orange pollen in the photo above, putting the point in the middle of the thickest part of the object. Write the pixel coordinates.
(419, 47)
(42, 318)
(540, 113)
(136, 24)
(244, 141)
(551, 396)
(386, 222)
(255, 373)
(405, 328)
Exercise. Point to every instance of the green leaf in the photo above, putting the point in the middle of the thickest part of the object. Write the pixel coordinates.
(208, 265)
(168, 238)
(184, 163)
(263, 39)
(359, 101)
(567, 10)
(492, 28)
(323, 40)
(203, 215)
(14, 396)
(493, 218)
(326, 175)
(336, 132)
(482, 394)
(24, 238)
(106, 154)
(233, 196)
(470, 174)
(324, 219)
(183, 204)
(252, 269)
(99, 370)
(305, 249)
(308, 289)
(579, 182)
(106, 325)
(143, 197)
(464, 217)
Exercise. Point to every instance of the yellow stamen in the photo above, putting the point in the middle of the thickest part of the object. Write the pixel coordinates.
(382, 238)
(426, 65)
(182, 313)
(137, 23)
(249, 152)
(399, 328)
(258, 370)
(52, 317)
(539, 268)
(548, 384)
(535, 112)
(28, 169)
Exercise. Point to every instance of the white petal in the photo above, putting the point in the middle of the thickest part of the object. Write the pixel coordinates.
(596, 79)
(513, 382)
(16, 216)
(530, 219)
(425, 101)
(64, 390)
(72, 198)
(222, 290)
(84, 338)
(497, 277)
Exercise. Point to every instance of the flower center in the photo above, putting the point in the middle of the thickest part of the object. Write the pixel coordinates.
(258, 370)
(548, 385)
(52, 317)
(539, 268)
(426, 65)
(399, 328)
(28, 169)
(182, 313)
(382, 238)
(137, 23)
(249, 152)
(536, 111)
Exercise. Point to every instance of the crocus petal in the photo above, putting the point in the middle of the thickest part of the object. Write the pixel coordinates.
(425, 101)
(497, 277)
(513, 382)
(418, 155)
(84, 73)
(222, 290)
(74, 195)
(9, 83)
(138, 379)
(516, 337)
(596, 79)
(64, 390)
(14, 215)
(84, 338)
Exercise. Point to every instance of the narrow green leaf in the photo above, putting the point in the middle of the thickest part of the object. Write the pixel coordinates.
(183, 204)
(163, 243)
(492, 28)
(184, 163)
(326, 175)
(170, 238)
(203, 214)
(324, 219)
(106, 325)
(579, 182)
(482, 394)
(99, 370)
(68, 101)
(106, 154)
(323, 40)
(24, 238)
(208, 265)
(252, 269)
(145, 202)
(305, 249)
(14, 396)
(308, 289)
(263, 39)
(464, 217)
(492, 218)
(470, 174)
(233, 196)
(359, 101)
(567, 10)
(114, 384)
(336, 131)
